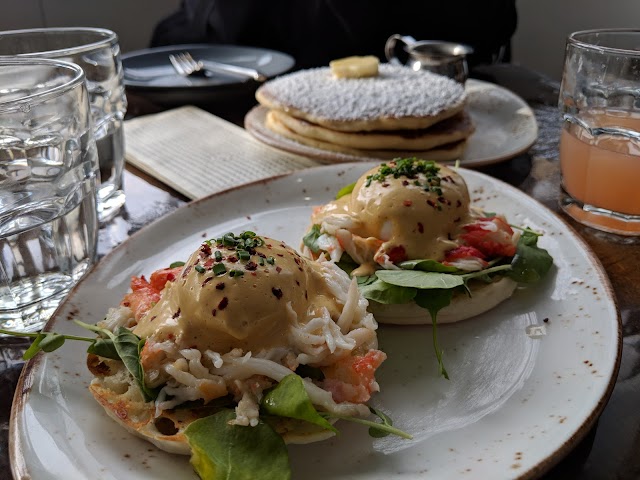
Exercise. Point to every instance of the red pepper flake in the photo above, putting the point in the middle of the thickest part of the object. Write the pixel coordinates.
(280, 255)
(255, 274)
(431, 203)
(126, 304)
(297, 260)
(177, 314)
(442, 199)
(407, 203)
(277, 292)
(223, 303)
(405, 183)
(297, 283)
(186, 271)
(251, 265)
(232, 259)
(278, 269)
(260, 254)
(206, 280)
(170, 336)
(220, 286)
(420, 227)
(205, 250)
(213, 312)
(209, 262)
(385, 185)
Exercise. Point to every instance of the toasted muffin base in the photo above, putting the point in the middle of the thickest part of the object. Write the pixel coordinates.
(485, 297)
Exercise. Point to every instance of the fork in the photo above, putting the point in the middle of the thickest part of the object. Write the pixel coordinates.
(185, 65)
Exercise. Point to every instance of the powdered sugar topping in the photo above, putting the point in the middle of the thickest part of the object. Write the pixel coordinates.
(396, 92)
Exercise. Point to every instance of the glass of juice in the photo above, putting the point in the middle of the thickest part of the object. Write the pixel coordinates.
(600, 139)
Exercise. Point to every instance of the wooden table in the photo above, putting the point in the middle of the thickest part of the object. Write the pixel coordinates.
(610, 449)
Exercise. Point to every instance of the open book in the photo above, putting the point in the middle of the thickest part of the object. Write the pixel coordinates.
(197, 153)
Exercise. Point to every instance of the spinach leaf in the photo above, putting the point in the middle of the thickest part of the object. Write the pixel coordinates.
(51, 342)
(311, 238)
(104, 347)
(435, 300)
(383, 292)
(346, 263)
(530, 262)
(234, 452)
(290, 399)
(128, 345)
(419, 279)
(427, 265)
(346, 190)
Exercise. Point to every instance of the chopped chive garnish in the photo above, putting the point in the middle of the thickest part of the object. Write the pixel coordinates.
(176, 264)
(236, 273)
(243, 255)
(271, 260)
(218, 256)
(200, 269)
(219, 268)
(247, 234)
(261, 262)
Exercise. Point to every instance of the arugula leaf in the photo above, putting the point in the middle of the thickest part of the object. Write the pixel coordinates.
(311, 238)
(290, 399)
(419, 279)
(128, 345)
(346, 190)
(386, 420)
(530, 262)
(427, 265)
(51, 342)
(383, 427)
(234, 452)
(435, 300)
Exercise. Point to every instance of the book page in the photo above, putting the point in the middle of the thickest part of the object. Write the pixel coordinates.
(197, 153)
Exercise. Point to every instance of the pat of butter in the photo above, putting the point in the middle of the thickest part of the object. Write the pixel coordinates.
(355, 67)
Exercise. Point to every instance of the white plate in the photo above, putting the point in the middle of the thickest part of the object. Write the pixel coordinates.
(528, 379)
(505, 127)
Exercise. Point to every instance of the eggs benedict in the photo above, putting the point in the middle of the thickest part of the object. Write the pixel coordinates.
(407, 230)
(224, 330)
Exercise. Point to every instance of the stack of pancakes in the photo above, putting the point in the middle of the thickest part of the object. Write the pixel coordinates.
(399, 112)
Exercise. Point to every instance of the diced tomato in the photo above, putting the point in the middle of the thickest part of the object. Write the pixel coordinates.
(397, 254)
(492, 236)
(352, 379)
(463, 252)
(159, 278)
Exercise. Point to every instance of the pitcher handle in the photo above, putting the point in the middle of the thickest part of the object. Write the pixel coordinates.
(390, 47)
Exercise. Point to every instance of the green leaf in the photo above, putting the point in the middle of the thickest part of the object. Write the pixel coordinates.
(386, 420)
(51, 341)
(347, 263)
(176, 264)
(427, 266)
(435, 300)
(419, 279)
(104, 347)
(383, 292)
(530, 262)
(234, 452)
(311, 238)
(128, 345)
(346, 190)
(290, 399)
(34, 348)
(378, 426)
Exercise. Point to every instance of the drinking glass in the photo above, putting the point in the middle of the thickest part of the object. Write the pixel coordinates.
(600, 139)
(97, 51)
(48, 177)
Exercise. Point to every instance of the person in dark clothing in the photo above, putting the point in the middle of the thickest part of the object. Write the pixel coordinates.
(314, 32)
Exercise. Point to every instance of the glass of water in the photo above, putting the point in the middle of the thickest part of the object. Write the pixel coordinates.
(98, 53)
(48, 178)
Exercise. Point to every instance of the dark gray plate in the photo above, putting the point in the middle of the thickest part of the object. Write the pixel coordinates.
(149, 73)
